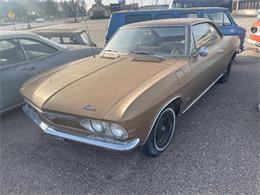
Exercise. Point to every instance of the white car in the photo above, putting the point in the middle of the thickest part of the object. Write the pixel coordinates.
(39, 20)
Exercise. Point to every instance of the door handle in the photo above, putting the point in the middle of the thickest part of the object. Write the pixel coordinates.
(28, 69)
(220, 51)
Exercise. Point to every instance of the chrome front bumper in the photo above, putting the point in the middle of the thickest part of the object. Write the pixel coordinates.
(121, 146)
(253, 42)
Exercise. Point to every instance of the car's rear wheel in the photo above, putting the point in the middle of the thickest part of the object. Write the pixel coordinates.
(161, 134)
(225, 76)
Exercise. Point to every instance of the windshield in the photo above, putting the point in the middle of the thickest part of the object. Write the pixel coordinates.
(163, 41)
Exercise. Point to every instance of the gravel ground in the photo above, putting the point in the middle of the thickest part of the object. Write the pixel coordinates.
(216, 150)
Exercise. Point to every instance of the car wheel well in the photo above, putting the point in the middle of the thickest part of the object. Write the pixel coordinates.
(176, 105)
(234, 55)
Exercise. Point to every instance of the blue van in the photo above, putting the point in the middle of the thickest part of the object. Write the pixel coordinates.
(221, 16)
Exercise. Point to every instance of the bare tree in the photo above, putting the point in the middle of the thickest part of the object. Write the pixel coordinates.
(74, 10)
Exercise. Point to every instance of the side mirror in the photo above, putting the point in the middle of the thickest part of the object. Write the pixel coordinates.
(203, 52)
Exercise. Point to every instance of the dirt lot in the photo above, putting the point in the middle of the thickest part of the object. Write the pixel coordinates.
(216, 148)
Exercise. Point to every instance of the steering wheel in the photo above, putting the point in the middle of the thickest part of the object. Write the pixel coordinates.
(178, 49)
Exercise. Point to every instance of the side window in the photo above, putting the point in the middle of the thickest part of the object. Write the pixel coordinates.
(189, 15)
(35, 49)
(164, 16)
(11, 52)
(203, 35)
(215, 34)
(56, 39)
(219, 18)
(138, 18)
(69, 40)
(192, 45)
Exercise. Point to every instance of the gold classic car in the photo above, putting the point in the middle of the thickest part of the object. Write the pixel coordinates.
(130, 95)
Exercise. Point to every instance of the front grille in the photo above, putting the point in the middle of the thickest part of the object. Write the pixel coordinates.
(57, 119)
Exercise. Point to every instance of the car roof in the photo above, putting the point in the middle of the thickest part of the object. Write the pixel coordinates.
(17, 34)
(175, 9)
(167, 22)
(26, 34)
(58, 30)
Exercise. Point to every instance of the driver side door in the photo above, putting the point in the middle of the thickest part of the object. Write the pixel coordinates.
(206, 70)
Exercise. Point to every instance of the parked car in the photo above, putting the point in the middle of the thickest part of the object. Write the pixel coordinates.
(65, 36)
(39, 20)
(130, 94)
(254, 38)
(24, 54)
(221, 16)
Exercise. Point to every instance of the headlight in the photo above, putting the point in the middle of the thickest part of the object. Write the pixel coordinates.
(97, 126)
(118, 131)
(253, 29)
(86, 124)
(109, 129)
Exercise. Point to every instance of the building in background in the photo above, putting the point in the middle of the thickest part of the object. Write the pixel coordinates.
(99, 10)
(246, 7)
(201, 3)
(159, 6)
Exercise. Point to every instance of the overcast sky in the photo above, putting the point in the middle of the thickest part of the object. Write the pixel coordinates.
(141, 2)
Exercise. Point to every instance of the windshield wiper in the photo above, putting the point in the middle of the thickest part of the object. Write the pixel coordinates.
(110, 50)
(114, 52)
(147, 53)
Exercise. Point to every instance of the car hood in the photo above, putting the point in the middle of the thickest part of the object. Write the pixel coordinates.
(98, 83)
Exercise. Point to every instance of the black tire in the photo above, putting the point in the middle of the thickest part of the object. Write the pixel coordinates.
(225, 76)
(161, 134)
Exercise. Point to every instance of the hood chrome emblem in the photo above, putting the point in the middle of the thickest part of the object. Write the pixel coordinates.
(89, 107)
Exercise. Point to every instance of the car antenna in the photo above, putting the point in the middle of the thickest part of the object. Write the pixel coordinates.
(87, 29)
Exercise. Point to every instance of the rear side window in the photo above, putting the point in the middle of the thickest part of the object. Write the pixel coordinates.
(11, 52)
(164, 16)
(35, 49)
(138, 18)
(219, 18)
(85, 38)
(189, 15)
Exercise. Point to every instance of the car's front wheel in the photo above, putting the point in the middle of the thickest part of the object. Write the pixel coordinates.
(161, 134)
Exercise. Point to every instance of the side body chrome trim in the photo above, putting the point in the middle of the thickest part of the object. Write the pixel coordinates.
(106, 143)
(194, 101)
